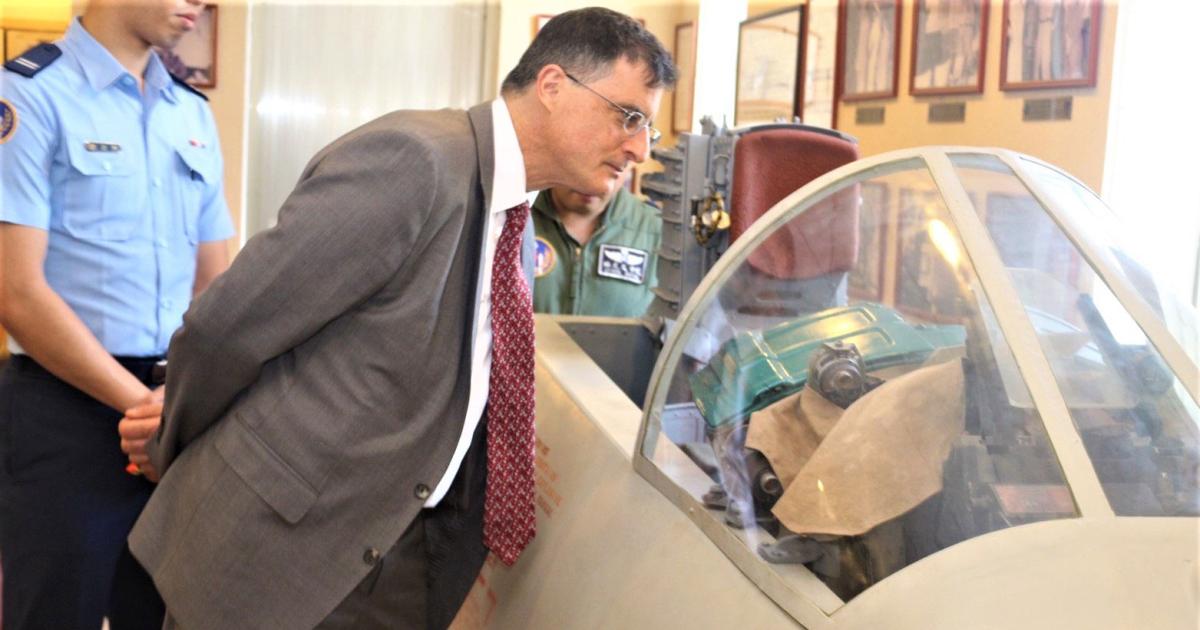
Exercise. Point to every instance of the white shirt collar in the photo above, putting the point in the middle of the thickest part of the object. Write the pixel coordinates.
(508, 178)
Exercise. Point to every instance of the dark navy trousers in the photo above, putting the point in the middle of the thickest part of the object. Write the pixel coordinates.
(66, 508)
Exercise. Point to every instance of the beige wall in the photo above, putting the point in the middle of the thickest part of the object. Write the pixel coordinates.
(35, 14)
(227, 98)
(994, 117)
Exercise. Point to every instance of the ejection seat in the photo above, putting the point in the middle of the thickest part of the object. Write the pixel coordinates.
(802, 268)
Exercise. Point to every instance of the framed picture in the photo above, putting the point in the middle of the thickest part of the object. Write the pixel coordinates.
(868, 49)
(685, 63)
(866, 279)
(768, 65)
(1049, 44)
(17, 41)
(949, 46)
(194, 58)
(819, 62)
(539, 21)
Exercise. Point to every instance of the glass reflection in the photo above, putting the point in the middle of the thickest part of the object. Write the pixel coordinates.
(1139, 426)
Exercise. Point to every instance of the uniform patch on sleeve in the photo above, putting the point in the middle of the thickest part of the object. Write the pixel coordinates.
(8, 120)
(544, 258)
(623, 263)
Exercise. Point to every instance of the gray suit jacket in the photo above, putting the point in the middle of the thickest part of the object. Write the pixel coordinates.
(318, 388)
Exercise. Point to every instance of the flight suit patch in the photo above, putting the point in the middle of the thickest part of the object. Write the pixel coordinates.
(544, 258)
(623, 263)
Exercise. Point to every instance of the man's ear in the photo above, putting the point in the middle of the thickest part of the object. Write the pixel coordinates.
(550, 85)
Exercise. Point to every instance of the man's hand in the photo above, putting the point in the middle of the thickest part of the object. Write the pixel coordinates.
(137, 427)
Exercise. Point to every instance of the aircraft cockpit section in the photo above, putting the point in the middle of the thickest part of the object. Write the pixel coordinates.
(980, 360)
(932, 388)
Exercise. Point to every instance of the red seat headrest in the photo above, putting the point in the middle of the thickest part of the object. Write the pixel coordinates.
(769, 165)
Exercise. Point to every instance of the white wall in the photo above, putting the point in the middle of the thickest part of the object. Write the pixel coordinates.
(1151, 168)
(318, 70)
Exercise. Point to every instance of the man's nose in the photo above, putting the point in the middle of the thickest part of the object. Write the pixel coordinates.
(637, 146)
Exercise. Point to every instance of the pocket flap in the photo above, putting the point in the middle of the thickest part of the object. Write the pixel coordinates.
(199, 161)
(261, 468)
(113, 163)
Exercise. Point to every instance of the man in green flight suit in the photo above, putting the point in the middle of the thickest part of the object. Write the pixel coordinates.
(595, 255)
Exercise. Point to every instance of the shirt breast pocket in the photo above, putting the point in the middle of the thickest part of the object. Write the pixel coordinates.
(102, 200)
(198, 172)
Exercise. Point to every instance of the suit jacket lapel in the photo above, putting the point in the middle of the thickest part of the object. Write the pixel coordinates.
(481, 122)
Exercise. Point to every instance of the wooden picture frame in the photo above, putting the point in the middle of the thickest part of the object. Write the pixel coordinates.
(19, 40)
(539, 21)
(194, 58)
(818, 93)
(1048, 44)
(770, 67)
(685, 87)
(949, 47)
(868, 49)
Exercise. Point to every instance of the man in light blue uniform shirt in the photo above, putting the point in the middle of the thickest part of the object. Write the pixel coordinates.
(112, 217)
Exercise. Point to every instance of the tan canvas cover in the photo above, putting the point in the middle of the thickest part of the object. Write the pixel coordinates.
(882, 458)
(789, 431)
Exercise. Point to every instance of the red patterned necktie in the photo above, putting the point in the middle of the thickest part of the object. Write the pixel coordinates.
(508, 516)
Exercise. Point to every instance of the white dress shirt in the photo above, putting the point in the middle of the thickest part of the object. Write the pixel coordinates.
(508, 190)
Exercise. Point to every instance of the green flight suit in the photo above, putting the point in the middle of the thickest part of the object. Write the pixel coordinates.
(610, 275)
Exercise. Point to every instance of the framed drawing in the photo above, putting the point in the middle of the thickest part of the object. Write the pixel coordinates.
(866, 279)
(17, 41)
(685, 63)
(949, 46)
(1049, 44)
(868, 49)
(194, 58)
(539, 21)
(819, 62)
(768, 64)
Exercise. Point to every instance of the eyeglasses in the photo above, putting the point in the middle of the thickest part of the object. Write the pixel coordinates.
(634, 121)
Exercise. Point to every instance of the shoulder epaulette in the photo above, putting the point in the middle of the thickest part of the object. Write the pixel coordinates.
(184, 84)
(34, 60)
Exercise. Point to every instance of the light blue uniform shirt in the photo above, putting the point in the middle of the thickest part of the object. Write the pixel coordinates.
(127, 185)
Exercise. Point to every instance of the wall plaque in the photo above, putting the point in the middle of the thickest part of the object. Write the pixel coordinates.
(869, 115)
(1047, 108)
(947, 112)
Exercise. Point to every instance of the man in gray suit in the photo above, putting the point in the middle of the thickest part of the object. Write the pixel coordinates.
(322, 444)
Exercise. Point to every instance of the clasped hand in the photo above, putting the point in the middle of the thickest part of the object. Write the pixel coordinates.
(137, 427)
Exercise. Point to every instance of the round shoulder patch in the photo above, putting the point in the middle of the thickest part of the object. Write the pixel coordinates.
(8, 120)
(544, 258)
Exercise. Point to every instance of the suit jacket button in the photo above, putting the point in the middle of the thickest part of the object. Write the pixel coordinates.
(371, 556)
(421, 491)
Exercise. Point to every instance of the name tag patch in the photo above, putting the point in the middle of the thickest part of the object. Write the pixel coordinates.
(101, 147)
(623, 263)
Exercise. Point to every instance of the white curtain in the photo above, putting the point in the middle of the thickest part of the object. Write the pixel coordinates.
(317, 71)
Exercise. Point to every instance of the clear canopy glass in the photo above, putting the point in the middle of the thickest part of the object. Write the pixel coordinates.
(849, 391)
